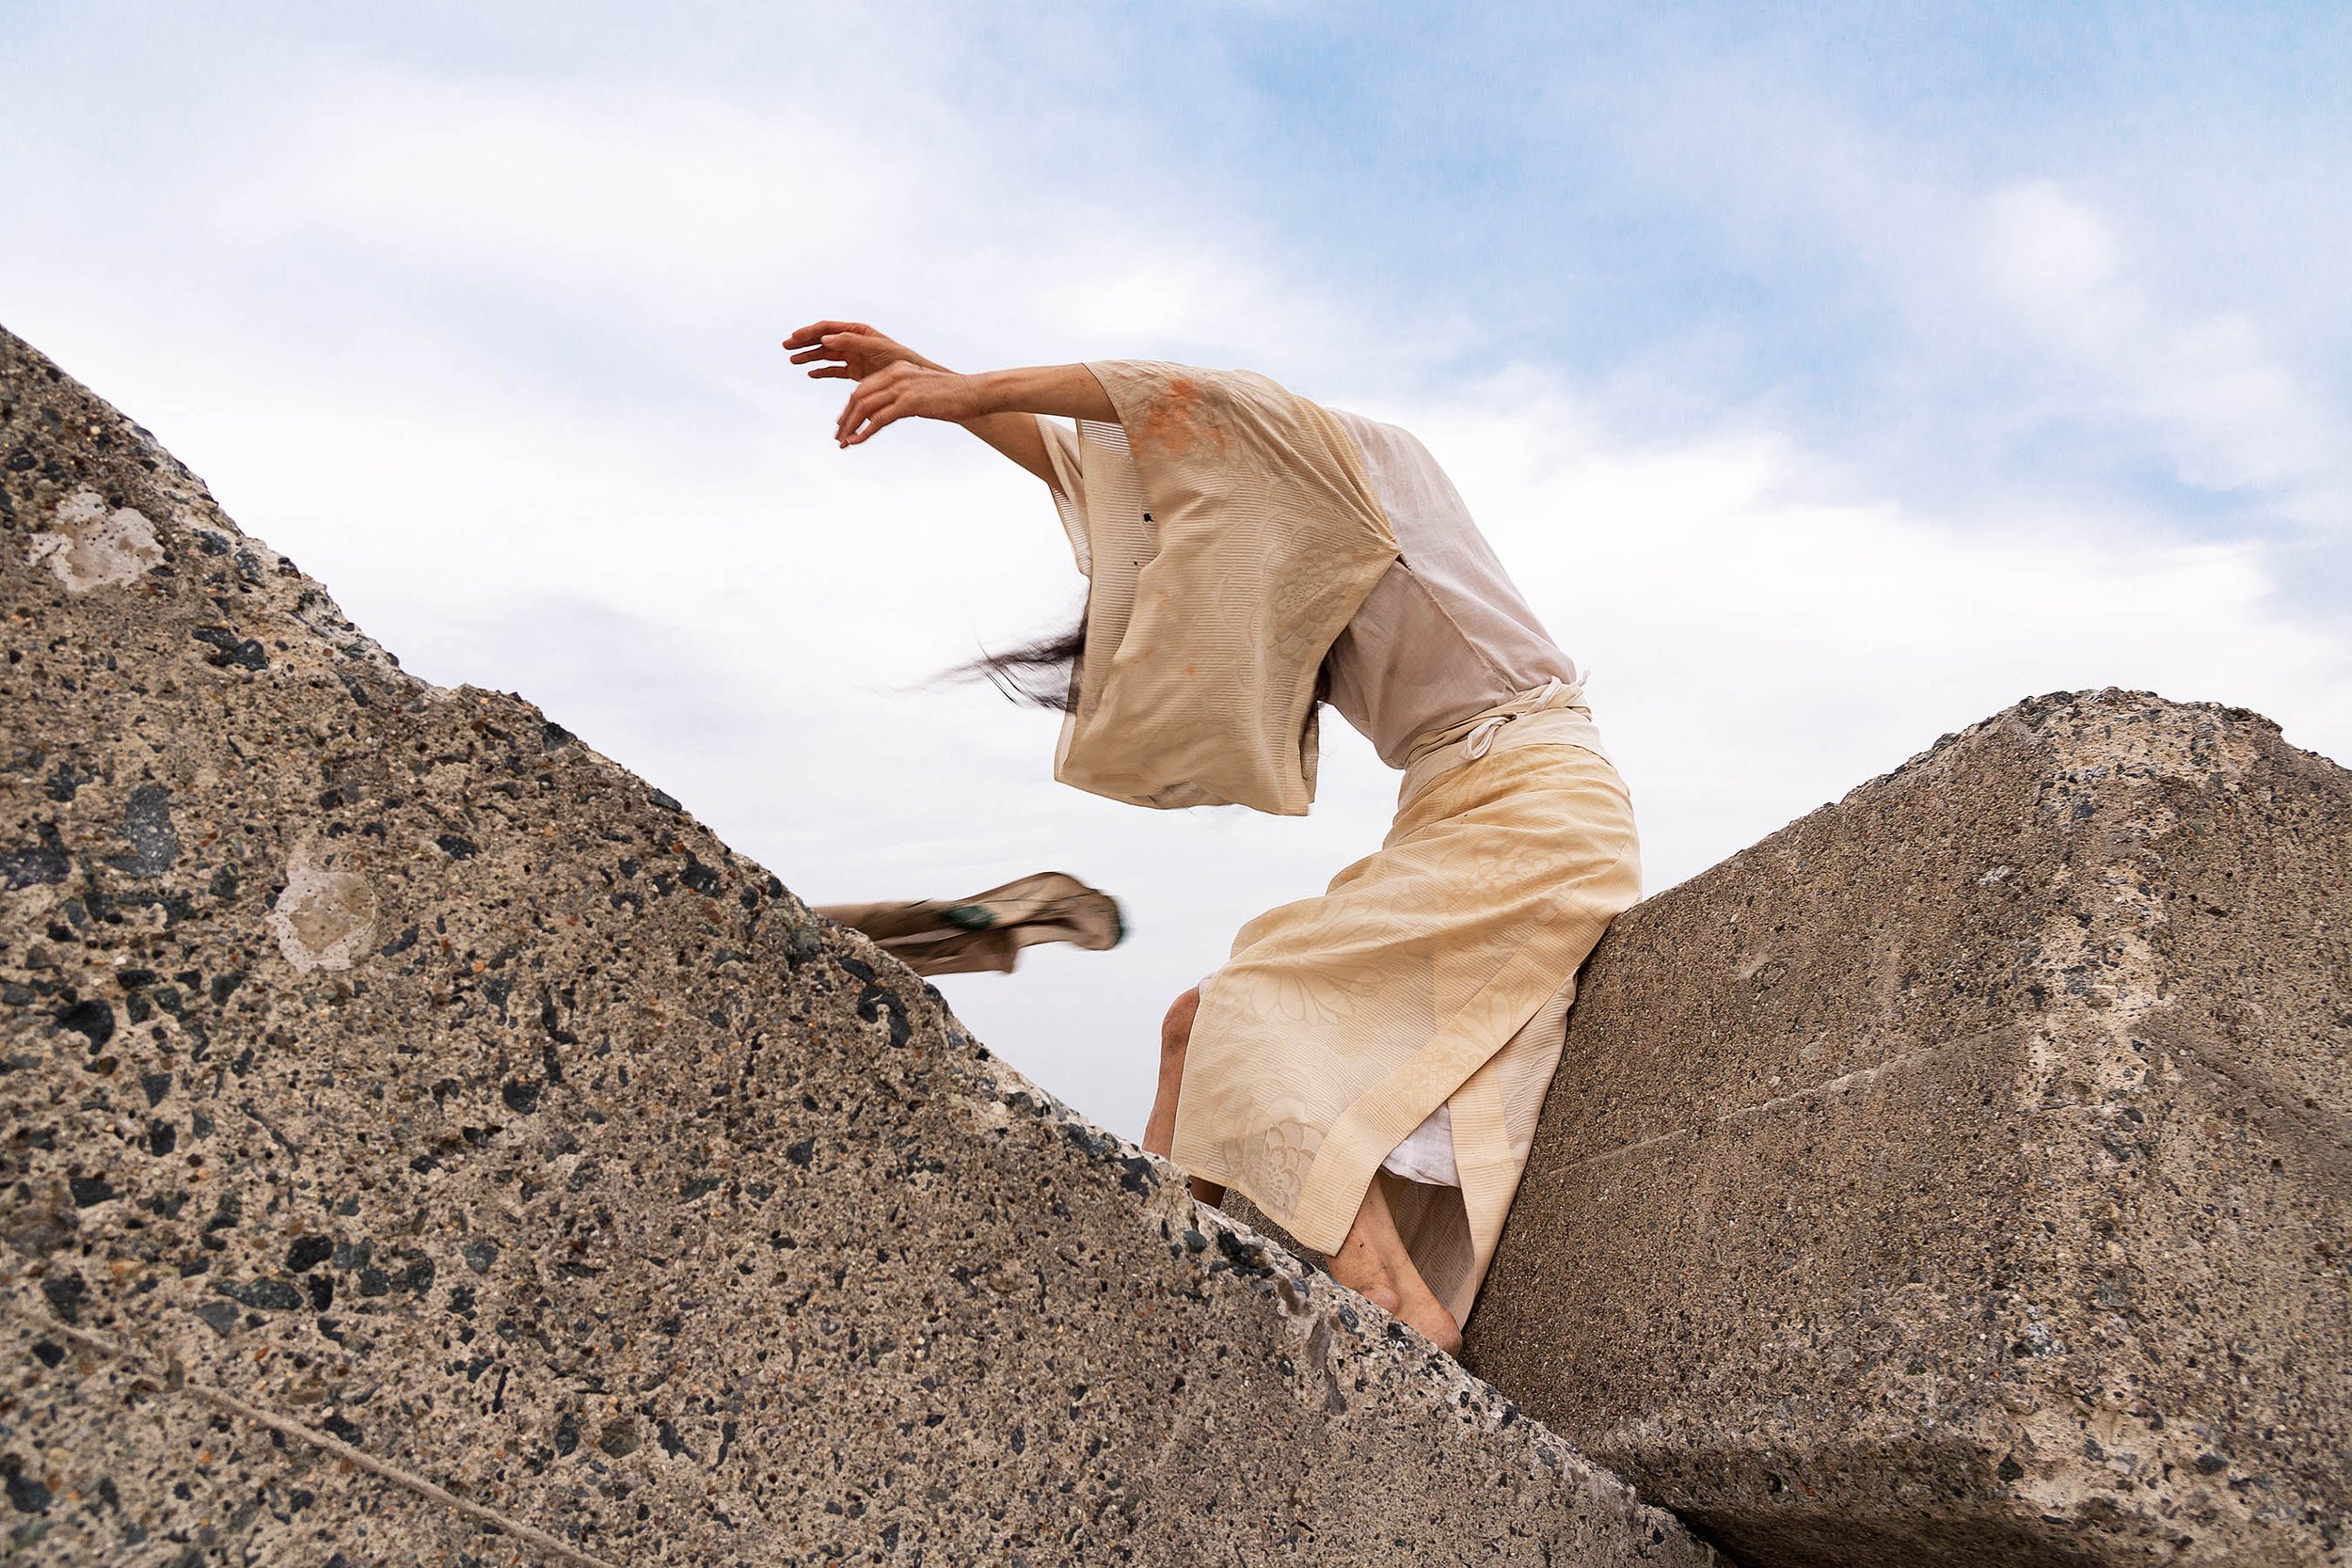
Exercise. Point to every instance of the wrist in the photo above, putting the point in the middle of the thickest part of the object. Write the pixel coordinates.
(986, 393)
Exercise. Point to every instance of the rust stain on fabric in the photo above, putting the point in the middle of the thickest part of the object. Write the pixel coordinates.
(1172, 423)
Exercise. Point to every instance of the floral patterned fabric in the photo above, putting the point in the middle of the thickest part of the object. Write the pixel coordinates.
(1437, 971)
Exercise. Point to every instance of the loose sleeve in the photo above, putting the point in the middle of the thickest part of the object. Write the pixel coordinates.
(1232, 531)
(1069, 485)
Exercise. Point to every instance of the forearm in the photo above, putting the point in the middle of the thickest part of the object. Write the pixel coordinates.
(1011, 398)
(1018, 437)
(1067, 391)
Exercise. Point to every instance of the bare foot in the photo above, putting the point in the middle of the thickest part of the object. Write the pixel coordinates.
(1373, 1263)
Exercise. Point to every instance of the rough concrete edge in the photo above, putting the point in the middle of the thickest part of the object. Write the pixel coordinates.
(2027, 710)
(171, 1377)
(1339, 1331)
(2032, 708)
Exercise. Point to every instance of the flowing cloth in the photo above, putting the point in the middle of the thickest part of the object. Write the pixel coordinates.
(988, 931)
(1228, 533)
(1435, 971)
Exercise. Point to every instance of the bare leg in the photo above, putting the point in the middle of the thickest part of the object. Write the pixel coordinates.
(1374, 1262)
(1371, 1260)
(1159, 1131)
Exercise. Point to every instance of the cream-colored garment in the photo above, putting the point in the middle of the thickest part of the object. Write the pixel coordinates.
(1554, 715)
(1228, 533)
(1437, 971)
(1445, 633)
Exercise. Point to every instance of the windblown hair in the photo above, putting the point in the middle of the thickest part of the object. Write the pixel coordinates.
(1044, 672)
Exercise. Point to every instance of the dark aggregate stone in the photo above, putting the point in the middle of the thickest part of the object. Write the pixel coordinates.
(92, 1018)
(26, 1493)
(88, 1190)
(34, 866)
(65, 1293)
(155, 842)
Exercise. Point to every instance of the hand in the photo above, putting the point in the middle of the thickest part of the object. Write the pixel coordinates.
(849, 351)
(907, 389)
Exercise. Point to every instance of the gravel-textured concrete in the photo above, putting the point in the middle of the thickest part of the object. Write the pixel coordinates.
(1962, 1175)
(423, 1141)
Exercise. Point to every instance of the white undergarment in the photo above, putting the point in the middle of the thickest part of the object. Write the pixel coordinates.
(1427, 1152)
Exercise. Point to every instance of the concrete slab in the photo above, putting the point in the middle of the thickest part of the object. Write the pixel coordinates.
(419, 1139)
(1962, 1173)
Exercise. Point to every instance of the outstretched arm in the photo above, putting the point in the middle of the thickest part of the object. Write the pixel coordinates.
(894, 383)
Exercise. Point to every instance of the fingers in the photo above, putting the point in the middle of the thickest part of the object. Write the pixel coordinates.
(832, 345)
(806, 336)
(868, 397)
(866, 413)
(849, 354)
(895, 392)
(868, 388)
(881, 417)
(861, 401)
(884, 398)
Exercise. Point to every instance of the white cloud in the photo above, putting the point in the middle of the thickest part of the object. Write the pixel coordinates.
(1762, 644)
(2052, 256)
(1982, 294)
(2231, 414)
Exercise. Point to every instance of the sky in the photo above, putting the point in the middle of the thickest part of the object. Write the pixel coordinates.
(1829, 378)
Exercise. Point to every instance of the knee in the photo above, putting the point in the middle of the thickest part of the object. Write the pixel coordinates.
(1176, 1029)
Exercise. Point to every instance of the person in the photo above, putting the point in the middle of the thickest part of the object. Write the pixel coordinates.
(1368, 1066)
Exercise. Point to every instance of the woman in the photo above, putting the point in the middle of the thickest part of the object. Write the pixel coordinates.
(1368, 1067)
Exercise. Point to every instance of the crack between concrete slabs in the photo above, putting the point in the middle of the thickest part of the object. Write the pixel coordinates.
(1859, 1078)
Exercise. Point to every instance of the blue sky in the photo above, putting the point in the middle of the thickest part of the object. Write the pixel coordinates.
(1829, 376)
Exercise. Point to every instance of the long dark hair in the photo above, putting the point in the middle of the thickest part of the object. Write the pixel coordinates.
(1042, 672)
(1045, 672)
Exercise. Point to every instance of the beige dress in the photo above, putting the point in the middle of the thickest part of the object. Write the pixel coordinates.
(1413, 1015)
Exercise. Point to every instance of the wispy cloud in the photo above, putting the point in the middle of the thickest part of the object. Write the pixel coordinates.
(2227, 410)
